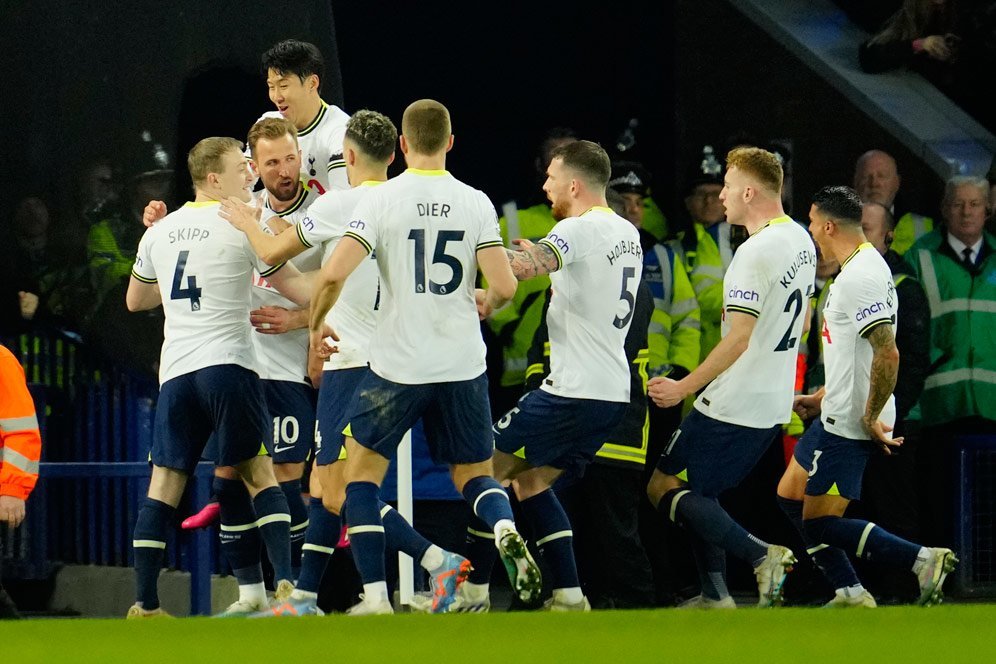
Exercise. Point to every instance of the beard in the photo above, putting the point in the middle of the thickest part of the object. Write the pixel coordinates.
(284, 193)
(560, 211)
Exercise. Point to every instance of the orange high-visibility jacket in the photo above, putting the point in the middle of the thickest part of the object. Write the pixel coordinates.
(20, 440)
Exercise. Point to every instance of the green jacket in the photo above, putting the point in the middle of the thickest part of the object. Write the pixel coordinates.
(962, 378)
(706, 263)
(674, 336)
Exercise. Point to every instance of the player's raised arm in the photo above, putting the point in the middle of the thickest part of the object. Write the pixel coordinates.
(272, 249)
(293, 284)
(666, 392)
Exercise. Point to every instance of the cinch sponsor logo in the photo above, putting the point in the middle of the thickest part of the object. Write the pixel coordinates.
(357, 224)
(558, 242)
(747, 295)
(868, 311)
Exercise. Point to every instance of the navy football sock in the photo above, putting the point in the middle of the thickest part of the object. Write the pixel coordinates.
(320, 539)
(863, 539)
(149, 542)
(238, 534)
(554, 537)
(481, 551)
(830, 560)
(400, 535)
(298, 523)
(366, 531)
(273, 521)
(711, 563)
(488, 500)
(708, 520)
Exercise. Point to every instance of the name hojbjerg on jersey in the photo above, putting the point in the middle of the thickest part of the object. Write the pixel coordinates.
(623, 247)
(807, 257)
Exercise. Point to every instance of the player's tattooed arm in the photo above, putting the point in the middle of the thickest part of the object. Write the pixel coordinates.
(532, 260)
(884, 369)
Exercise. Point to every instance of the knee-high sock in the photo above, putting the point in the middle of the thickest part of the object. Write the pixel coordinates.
(320, 539)
(400, 535)
(149, 542)
(708, 520)
(863, 539)
(273, 521)
(488, 500)
(366, 531)
(554, 537)
(298, 523)
(238, 535)
(711, 563)
(481, 551)
(830, 560)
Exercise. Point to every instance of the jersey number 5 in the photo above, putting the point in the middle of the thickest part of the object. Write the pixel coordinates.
(794, 300)
(627, 297)
(438, 256)
(191, 292)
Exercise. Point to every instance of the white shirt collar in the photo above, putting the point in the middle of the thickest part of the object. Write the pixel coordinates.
(959, 247)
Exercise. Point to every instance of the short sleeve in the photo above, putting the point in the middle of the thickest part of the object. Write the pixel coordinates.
(322, 223)
(264, 269)
(490, 232)
(873, 303)
(747, 283)
(362, 225)
(337, 164)
(143, 269)
(566, 240)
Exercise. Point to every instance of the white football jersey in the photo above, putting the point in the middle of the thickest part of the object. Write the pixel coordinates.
(322, 165)
(284, 356)
(594, 293)
(771, 278)
(354, 315)
(862, 297)
(426, 228)
(204, 268)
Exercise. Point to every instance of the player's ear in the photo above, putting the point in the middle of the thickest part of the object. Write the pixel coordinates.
(889, 236)
(253, 167)
(449, 145)
(403, 142)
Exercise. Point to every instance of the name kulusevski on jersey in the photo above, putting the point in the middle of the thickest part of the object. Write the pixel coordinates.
(771, 277)
(354, 315)
(205, 288)
(284, 356)
(592, 304)
(426, 228)
(862, 297)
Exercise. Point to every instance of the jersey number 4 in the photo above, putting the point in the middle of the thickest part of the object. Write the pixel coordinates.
(191, 292)
(438, 256)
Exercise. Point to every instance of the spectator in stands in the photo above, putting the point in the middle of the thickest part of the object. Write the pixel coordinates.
(877, 179)
(705, 248)
(956, 265)
(112, 242)
(922, 35)
(41, 273)
(20, 451)
(97, 188)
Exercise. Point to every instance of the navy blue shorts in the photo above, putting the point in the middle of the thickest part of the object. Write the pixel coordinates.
(456, 417)
(224, 400)
(713, 456)
(334, 397)
(292, 414)
(550, 430)
(835, 464)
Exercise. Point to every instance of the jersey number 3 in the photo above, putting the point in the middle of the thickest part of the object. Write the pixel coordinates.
(438, 256)
(191, 292)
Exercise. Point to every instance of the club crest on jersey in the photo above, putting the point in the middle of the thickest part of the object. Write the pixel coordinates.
(865, 312)
(311, 166)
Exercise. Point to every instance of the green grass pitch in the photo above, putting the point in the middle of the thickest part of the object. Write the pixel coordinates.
(943, 634)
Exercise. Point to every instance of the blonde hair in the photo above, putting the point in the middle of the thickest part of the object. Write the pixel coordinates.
(270, 129)
(426, 126)
(206, 156)
(759, 164)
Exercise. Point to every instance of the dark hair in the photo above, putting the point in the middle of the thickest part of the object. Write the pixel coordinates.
(890, 219)
(295, 57)
(587, 159)
(839, 203)
(374, 134)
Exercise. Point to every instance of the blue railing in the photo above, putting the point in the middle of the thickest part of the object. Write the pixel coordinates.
(96, 422)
